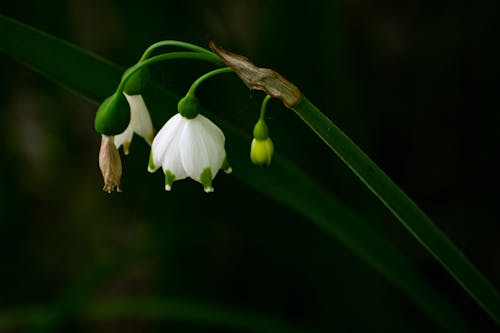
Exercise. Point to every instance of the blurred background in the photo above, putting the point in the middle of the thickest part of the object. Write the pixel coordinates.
(411, 82)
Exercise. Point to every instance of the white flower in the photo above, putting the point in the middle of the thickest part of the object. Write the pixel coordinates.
(140, 123)
(189, 148)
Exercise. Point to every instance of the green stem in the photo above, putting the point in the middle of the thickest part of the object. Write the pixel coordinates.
(164, 57)
(205, 76)
(406, 211)
(184, 45)
(263, 107)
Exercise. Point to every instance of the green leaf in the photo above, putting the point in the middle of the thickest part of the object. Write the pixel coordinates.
(406, 211)
(96, 78)
(56, 60)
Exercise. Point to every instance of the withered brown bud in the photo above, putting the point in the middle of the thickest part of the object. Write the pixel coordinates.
(259, 78)
(110, 164)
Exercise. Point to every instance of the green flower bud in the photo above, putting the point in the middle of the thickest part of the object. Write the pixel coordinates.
(261, 151)
(113, 116)
(188, 106)
(136, 84)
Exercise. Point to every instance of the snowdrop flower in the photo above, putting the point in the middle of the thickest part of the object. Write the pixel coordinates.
(189, 145)
(140, 123)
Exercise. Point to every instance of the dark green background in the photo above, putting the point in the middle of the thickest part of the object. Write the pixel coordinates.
(412, 82)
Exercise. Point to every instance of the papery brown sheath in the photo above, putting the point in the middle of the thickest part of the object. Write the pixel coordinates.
(259, 78)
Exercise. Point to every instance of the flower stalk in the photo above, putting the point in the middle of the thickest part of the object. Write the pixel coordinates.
(175, 43)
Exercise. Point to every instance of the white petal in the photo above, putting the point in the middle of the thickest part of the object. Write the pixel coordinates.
(171, 160)
(193, 151)
(214, 142)
(162, 141)
(211, 127)
(202, 146)
(140, 119)
(125, 136)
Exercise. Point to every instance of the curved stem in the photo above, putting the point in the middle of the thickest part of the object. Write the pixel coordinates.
(208, 75)
(405, 210)
(164, 57)
(263, 107)
(184, 45)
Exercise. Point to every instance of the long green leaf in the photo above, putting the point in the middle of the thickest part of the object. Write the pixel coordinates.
(42, 53)
(96, 78)
(407, 212)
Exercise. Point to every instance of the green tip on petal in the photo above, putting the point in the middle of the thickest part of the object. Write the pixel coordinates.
(126, 147)
(169, 180)
(206, 180)
(226, 167)
(151, 165)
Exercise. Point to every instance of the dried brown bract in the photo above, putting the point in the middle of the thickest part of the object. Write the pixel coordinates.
(110, 164)
(264, 79)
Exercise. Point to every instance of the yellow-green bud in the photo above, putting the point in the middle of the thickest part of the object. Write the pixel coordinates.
(113, 115)
(261, 151)
(188, 106)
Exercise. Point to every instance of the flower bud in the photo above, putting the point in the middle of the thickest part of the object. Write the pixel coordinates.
(261, 151)
(110, 164)
(113, 116)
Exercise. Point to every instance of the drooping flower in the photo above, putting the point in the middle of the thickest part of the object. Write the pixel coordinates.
(189, 147)
(140, 123)
(110, 164)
